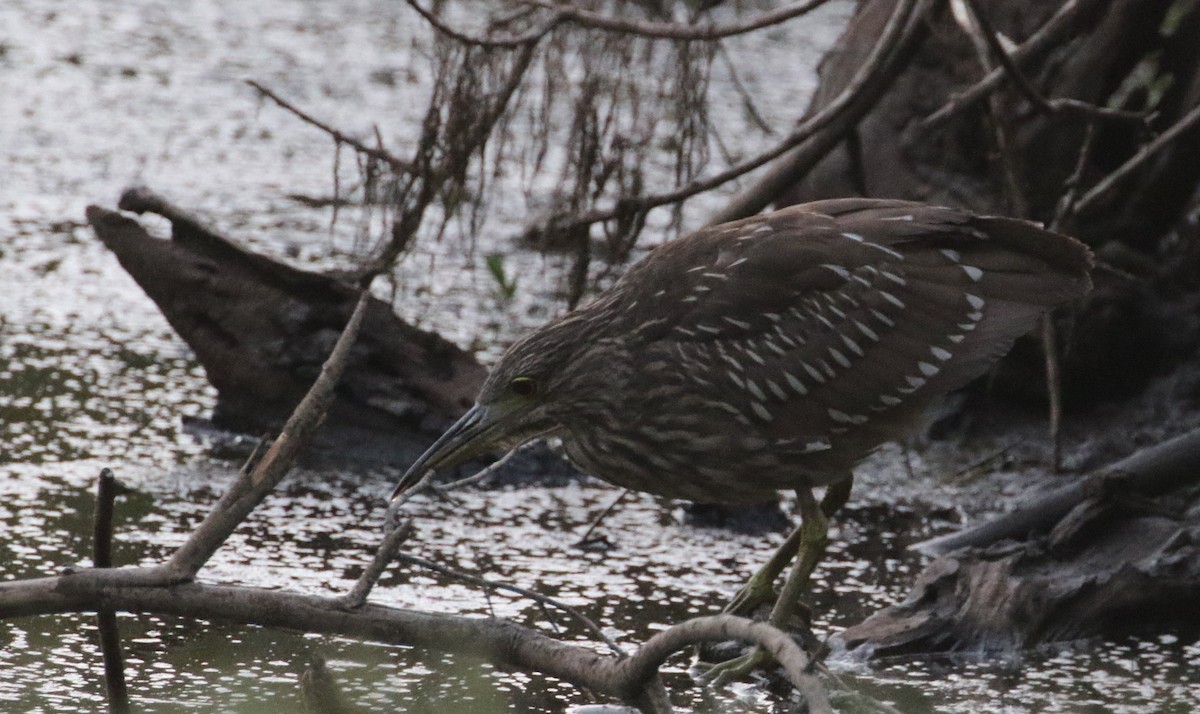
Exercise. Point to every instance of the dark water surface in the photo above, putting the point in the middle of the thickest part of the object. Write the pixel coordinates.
(97, 96)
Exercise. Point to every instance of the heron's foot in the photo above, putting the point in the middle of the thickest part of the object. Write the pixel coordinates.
(732, 670)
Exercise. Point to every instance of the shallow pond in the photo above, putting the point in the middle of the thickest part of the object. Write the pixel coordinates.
(100, 95)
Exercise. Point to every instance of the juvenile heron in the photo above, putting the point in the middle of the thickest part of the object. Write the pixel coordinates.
(772, 353)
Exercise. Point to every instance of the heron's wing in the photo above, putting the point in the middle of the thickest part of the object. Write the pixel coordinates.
(837, 316)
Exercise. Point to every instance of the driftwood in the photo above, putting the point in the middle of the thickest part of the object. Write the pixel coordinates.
(1117, 553)
(261, 329)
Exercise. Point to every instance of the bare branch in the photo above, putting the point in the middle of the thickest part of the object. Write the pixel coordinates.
(561, 14)
(1057, 29)
(107, 489)
(376, 152)
(506, 644)
(1179, 128)
(393, 537)
(253, 485)
(1031, 94)
(719, 628)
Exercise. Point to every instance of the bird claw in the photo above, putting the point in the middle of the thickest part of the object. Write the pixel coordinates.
(723, 673)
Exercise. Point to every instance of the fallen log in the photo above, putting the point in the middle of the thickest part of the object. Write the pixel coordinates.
(1114, 554)
(261, 330)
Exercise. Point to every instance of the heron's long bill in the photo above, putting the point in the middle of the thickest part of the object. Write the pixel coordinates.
(468, 437)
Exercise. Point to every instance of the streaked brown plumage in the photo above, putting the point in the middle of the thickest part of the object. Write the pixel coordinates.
(774, 352)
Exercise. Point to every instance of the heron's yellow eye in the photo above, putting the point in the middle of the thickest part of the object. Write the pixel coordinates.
(523, 387)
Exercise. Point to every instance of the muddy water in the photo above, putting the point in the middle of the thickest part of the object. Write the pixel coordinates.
(96, 96)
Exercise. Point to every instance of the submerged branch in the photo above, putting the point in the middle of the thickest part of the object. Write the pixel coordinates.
(107, 490)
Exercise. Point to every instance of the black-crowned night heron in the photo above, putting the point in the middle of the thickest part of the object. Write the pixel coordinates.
(772, 353)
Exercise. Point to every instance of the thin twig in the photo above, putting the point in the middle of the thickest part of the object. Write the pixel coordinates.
(482, 475)
(452, 152)
(1068, 203)
(587, 535)
(747, 98)
(563, 14)
(378, 153)
(986, 44)
(676, 31)
(1053, 389)
(583, 619)
(1189, 121)
(426, 483)
(1062, 214)
(394, 536)
(962, 473)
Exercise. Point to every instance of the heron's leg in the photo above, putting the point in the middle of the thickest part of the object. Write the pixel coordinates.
(836, 496)
(758, 589)
(814, 531)
(810, 546)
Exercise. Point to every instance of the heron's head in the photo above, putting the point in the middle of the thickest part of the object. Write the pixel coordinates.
(542, 379)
